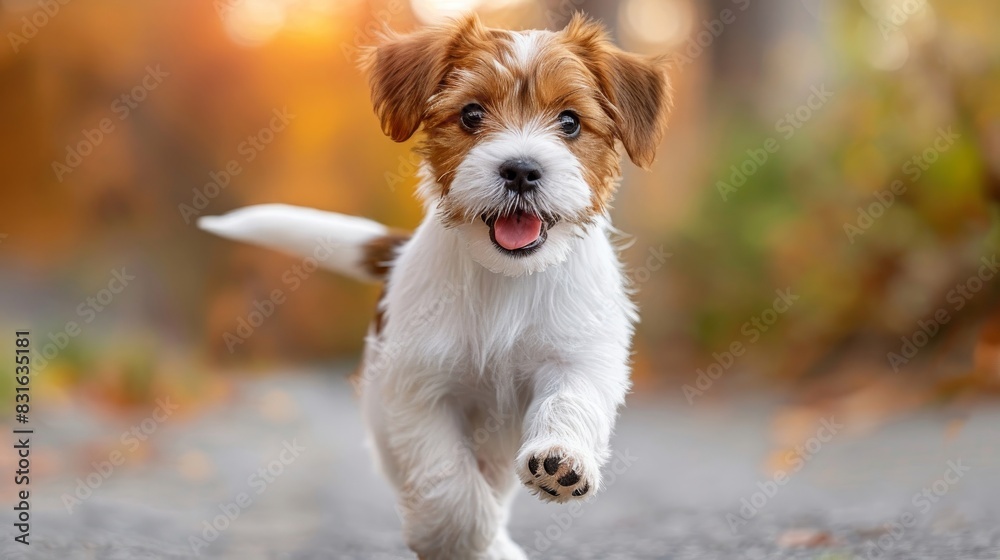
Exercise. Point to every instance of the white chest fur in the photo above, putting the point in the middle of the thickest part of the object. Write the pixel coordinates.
(448, 313)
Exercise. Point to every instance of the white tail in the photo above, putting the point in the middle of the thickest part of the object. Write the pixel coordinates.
(355, 247)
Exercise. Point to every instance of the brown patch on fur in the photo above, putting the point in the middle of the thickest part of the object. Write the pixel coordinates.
(377, 255)
(378, 322)
(427, 77)
(447, 142)
(406, 70)
(513, 96)
(635, 87)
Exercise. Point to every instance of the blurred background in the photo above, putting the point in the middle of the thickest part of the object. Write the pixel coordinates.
(820, 222)
(856, 97)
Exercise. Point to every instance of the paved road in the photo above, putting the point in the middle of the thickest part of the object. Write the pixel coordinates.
(682, 474)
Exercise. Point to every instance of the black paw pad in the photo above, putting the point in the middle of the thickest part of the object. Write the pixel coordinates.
(581, 491)
(569, 479)
(551, 465)
(533, 465)
(549, 491)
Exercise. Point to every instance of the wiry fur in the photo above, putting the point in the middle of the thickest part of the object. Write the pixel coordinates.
(486, 368)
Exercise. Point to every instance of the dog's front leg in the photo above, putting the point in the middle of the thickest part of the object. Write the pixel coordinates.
(568, 428)
(449, 510)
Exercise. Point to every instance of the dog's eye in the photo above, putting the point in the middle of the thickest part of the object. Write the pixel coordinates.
(569, 123)
(472, 116)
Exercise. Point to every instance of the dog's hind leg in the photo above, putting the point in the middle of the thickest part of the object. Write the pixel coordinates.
(496, 439)
(503, 546)
(449, 510)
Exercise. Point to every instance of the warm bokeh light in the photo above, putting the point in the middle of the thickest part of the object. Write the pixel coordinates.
(657, 22)
(435, 10)
(254, 22)
(430, 11)
(886, 52)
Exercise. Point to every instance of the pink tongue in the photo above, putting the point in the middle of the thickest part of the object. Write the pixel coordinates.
(517, 230)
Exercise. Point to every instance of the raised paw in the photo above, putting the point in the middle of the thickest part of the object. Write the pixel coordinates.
(555, 475)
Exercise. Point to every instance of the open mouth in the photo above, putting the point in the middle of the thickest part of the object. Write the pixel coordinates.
(518, 233)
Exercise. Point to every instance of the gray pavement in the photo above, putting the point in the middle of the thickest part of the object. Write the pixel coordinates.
(687, 483)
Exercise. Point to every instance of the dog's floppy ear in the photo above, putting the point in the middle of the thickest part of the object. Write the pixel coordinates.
(636, 88)
(404, 71)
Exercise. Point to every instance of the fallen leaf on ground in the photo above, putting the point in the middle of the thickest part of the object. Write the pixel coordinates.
(805, 538)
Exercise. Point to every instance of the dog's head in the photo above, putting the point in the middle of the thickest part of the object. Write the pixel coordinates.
(521, 129)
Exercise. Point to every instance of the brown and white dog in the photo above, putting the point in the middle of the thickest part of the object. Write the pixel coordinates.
(501, 347)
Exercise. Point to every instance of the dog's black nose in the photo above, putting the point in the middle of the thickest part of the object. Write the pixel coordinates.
(520, 175)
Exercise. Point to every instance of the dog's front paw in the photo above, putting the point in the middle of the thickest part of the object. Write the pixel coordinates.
(555, 473)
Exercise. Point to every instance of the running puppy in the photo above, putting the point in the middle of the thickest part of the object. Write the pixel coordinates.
(500, 351)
